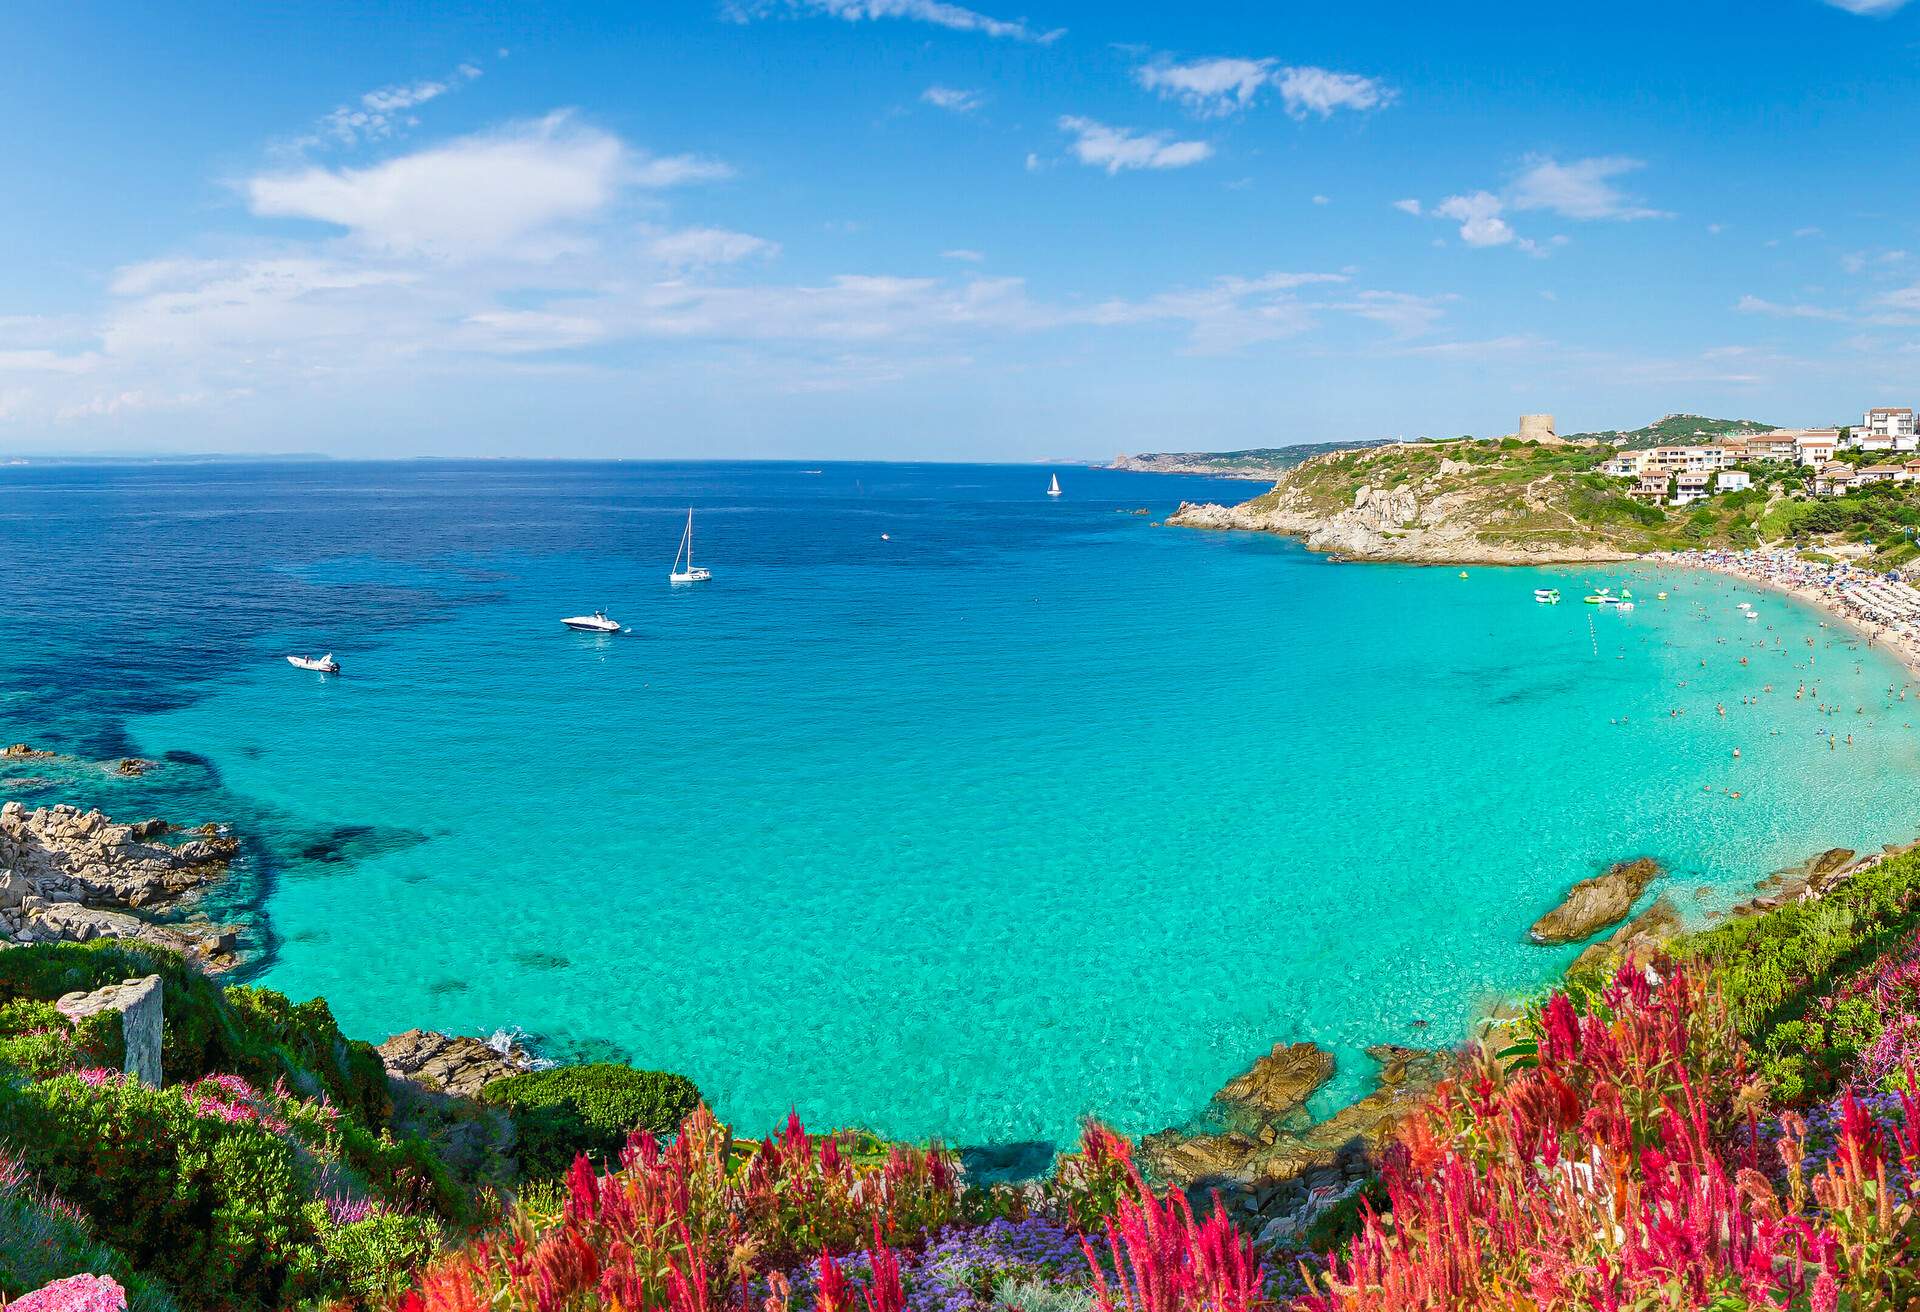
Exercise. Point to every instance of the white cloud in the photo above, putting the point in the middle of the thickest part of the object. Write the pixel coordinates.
(383, 112)
(1323, 200)
(1870, 8)
(1772, 309)
(1217, 87)
(1114, 149)
(1580, 190)
(1479, 218)
(701, 248)
(1322, 91)
(505, 193)
(1210, 88)
(1408, 206)
(937, 12)
(971, 257)
(953, 98)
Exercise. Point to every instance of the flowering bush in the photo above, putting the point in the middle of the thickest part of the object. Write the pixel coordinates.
(83, 1293)
(1601, 1166)
(688, 1225)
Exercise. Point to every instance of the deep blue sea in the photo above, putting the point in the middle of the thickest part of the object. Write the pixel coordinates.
(944, 808)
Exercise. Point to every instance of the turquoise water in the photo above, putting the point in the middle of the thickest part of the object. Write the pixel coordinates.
(1033, 811)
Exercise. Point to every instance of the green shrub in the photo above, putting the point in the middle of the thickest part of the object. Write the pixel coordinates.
(212, 1208)
(37, 1041)
(569, 1110)
(372, 1260)
(1770, 966)
(305, 1039)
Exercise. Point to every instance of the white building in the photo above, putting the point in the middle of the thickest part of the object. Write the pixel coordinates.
(1816, 447)
(1627, 464)
(1887, 428)
(1733, 480)
(1691, 486)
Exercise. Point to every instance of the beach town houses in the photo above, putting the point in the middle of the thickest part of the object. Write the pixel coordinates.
(1777, 445)
(1733, 480)
(1879, 474)
(1690, 486)
(1651, 488)
(1834, 479)
(1886, 428)
(1627, 464)
(1816, 446)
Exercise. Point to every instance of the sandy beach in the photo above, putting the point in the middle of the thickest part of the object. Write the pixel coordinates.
(1884, 611)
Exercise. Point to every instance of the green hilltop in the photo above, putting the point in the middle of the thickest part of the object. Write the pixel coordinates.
(1673, 430)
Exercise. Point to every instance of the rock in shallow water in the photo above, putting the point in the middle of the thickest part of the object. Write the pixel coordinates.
(1593, 904)
(1280, 1083)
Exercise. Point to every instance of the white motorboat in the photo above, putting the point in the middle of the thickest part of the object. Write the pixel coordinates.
(594, 623)
(324, 665)
(1053, 488)
(690, 572)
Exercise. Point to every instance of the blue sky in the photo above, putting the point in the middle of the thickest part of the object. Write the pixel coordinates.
(915, 229)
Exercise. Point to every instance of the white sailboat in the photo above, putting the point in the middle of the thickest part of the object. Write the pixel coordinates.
(690, 572)
(1053, 489)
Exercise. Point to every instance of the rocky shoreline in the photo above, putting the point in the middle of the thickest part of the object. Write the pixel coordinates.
(71, 876)
(1382, 525)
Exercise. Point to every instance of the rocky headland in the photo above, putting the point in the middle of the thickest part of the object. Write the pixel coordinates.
(1418, 503)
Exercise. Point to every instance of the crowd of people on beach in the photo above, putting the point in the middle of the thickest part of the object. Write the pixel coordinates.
(1884, 606)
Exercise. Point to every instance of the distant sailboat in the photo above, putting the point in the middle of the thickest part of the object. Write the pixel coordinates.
(690, 573)
(1053, 490)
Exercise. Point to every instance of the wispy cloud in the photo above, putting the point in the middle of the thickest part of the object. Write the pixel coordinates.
(970, 257)
(705, 248)
(1220, 86)
(953, 99)
(1870, 8)
(383, 112)
(1322, 91)
(1775, 310)
(1583, 189)
(1210, 88)
(940, 14)
(1114, 149)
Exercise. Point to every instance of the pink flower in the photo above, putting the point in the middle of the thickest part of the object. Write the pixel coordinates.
(74, 1294)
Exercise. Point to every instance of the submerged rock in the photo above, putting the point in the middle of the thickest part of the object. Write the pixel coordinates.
(1280, 1083)
(1593, 904)
(25, 751)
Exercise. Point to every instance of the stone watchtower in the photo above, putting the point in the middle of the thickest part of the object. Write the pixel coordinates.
(1537, 428)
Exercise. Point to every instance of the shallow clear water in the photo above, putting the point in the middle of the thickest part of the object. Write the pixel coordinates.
(1034, 810)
